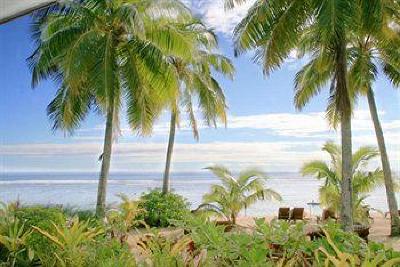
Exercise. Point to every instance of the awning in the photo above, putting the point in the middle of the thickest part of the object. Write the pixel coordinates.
(11, 9)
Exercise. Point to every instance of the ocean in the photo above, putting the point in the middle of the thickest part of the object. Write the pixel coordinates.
(78, 190)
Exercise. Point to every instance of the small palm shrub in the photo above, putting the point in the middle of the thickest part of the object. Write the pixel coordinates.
(363, 181)
(161, 209)
(235, 193)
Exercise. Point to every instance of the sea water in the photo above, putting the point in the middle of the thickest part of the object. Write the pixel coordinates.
(78, 190)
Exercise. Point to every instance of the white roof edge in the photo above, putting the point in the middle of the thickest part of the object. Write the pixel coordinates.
(12, 9)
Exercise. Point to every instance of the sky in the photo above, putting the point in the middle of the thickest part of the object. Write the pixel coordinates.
(264, 130)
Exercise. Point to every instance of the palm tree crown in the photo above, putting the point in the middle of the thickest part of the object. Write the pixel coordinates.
(235, 194)
(319, 28)
(105, 53)
(197, 85)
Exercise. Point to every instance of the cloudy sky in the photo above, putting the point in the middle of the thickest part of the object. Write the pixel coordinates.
(263, 130)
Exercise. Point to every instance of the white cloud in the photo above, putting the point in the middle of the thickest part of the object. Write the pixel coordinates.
(214, 15)
(293, 125)
(283, 156)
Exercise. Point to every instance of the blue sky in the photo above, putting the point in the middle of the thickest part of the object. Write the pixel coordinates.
(264, 130)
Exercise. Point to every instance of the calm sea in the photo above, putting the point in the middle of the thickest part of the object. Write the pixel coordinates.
(79, 189)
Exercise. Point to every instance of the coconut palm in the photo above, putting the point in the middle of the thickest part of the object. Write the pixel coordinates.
(197, 84)
(103, 52)
(236, 193)
(363, 180)
(276, 28)
(366, 50)
(369, 54)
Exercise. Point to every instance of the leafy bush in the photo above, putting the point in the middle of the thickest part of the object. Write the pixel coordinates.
(41, 217)
(83, 215)
(13, 246)
(109, 253)
(161, 209)
(71, 241)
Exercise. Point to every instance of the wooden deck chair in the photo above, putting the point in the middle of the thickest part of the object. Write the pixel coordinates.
(297, 214)
(284, 214)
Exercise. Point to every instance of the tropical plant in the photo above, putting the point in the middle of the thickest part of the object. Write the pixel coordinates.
(70, 240)
(124, 218)
(370, 54)
(321, 30)
(42, 217)
(197, 84)
(341, 258)
(235, 194)
(161, 209)
(106, 252)
(363, 181)
(13, 239)
(102, 52)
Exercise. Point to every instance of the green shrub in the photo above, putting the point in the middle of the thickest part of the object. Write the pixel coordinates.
(109, 253)
(42, 217)
(83, 215)
(161, 209)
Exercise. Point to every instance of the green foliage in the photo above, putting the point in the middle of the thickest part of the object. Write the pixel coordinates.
(109, 253)
(161, 209)
(14, 250)
(159, 250)
(123, 219)
(196, 242)
(363, 181)
(332, 252)
(70, 240)
(236, 194)
(42, 217)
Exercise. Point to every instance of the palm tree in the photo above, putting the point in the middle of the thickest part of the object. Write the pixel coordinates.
(236, 194)
(369, 53)
(197, 84)
(363, 181)
(365, 50)
(102, 52)
(276, 28)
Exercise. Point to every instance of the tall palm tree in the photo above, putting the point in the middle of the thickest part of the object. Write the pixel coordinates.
(197, 84)
(236, 193)
(275, 28)
(363, 181)
(369, 53)
(366, 50)
(102, 52)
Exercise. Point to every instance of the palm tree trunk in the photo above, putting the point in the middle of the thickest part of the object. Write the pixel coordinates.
(233, 218)
(347, 201)
(105, 165)
(166, 179)
(391, 198)
(344, 106)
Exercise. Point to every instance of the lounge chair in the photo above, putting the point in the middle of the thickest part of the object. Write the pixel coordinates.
(284, 214)
(297, 214)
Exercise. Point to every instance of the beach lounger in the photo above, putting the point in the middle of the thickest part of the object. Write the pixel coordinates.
(297, 214)
(284, 214)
